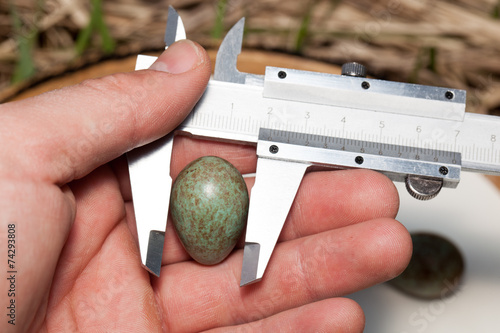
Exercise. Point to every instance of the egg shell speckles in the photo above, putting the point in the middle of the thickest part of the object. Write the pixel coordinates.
(209, 208)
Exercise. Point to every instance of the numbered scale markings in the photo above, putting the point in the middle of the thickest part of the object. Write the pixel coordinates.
(394, 160)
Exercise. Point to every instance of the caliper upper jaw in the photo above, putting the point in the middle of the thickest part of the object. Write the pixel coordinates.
(227, 57)
(175, 28)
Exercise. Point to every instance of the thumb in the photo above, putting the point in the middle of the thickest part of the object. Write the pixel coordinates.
(65, 134)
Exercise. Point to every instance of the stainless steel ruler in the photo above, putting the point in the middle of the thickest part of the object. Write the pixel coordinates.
(417, 134)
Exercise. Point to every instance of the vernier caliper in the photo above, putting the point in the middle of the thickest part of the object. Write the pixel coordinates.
(420, 135)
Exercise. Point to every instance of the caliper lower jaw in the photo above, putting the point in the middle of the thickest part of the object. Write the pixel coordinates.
(149, 170)
(276, 184)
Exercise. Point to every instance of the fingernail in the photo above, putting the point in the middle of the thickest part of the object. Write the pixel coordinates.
(179, 58)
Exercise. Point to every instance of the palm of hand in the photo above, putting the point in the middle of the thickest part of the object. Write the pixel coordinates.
(99, 284)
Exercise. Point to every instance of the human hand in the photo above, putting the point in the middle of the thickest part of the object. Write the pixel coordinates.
(65, 186)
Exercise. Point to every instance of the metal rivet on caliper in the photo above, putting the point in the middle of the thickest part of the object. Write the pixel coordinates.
(273, 149)
(444, 170)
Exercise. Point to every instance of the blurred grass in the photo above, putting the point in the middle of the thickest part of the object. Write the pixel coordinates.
(26, 36)
(304, 28)
(218, 29)
(96, 24)
(25, 66)
(395, 39)
(496, 11)
(426, 59)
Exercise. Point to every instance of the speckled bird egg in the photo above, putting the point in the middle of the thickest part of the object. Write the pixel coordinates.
(209, 207)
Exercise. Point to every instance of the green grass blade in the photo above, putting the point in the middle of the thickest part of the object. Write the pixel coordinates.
(97, 24)
(218, 29)
(25, 66)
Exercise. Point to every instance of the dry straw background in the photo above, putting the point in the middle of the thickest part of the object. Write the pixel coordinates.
(437, 42)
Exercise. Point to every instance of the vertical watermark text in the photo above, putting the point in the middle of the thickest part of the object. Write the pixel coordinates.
(11, 273)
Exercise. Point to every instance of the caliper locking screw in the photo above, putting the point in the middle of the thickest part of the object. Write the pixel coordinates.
(423, 188)
(353, 69)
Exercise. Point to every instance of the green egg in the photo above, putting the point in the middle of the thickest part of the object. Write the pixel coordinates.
(209, 208)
